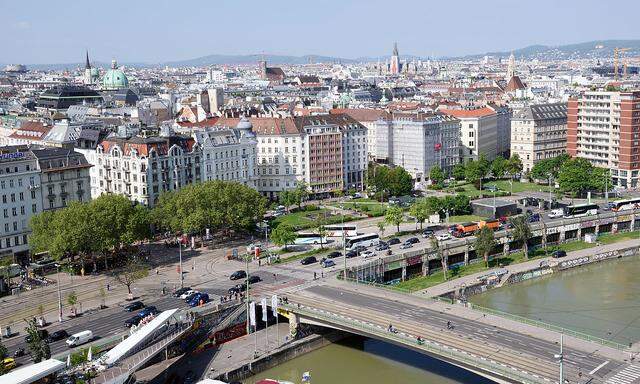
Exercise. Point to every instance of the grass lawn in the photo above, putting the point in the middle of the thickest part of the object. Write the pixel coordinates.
(609, 238)
(309, 219)
(464, 218)
(365, 206)
(518, 186)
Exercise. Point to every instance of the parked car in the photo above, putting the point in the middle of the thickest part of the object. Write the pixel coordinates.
(178, 292)
(44, 335)
(443, 237)
(406, 245)
(309, 260)
(350, 254)
(134, 306)
(254, 279)
(326, 263)
(334, 254)
(382, 246)
(241, 274)
(393, 241)
(427, 233)
(188, 293)
(558, 254)
(57, 335)
(413, 240)
(367, 254)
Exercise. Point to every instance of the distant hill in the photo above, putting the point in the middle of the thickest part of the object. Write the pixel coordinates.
(253, 59)
(597, 49)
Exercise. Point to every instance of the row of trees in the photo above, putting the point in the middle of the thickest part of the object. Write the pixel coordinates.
(574, 175)
(421, 209)
(473, 171)
(295, 196)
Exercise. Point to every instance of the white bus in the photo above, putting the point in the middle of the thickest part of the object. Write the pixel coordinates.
(365, 240)
(580, 210)
(309, 238)
(336, 230)
(625, 205)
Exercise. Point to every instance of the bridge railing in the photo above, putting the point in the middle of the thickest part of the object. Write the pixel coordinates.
(551, 327)
(432, 347)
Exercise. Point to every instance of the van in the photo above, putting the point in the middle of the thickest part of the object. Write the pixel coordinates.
(79, 338)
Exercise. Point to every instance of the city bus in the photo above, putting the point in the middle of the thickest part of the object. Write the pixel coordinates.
(580, 210)
(625, 205)
(337, 230)
(365, 240)
(309, 238)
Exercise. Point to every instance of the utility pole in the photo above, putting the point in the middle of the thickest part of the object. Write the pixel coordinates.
(246, 270)
(59, 293)
(344, 248)
(549, 191)
(560, 358)
(180, 267)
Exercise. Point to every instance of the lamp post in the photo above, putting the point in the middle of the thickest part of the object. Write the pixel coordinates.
(180, 267)
(560, 358)
(344, 247)
(59, 293)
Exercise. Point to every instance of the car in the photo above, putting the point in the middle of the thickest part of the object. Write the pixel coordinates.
(360, 248)
(201, 298)
(555, 213)
(413, 240)
(334, 254)
(350, 254)
(130, 322)
(44, 335)
(190, 296)
(406, 245)
(367, 254)
(178, 292)
(382, 246)
(393, 241)
(309, 260)
(491, 188)
(254, 279)
(57, 335)
(534, 218)
(134, 306)
(558, 254)
(452, 229)
(326, 263)
(237, 275)
(9, 363)
(443, 237)
(427, 233)
(150, 310)
(188, 293)
(79, 338)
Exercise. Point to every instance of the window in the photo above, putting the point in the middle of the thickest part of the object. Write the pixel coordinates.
(33, 194)
(21, 196)
(13, 197)
(34, 208)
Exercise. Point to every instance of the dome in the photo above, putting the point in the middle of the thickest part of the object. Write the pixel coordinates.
(115, 78)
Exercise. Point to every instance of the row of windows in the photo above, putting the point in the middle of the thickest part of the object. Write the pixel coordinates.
(16, 241)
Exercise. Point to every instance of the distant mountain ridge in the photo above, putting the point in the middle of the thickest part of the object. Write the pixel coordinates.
(597, 49)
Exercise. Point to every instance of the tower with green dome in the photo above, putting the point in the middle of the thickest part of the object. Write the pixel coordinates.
(114, 78)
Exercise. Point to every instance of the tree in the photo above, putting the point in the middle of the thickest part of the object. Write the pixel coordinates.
(283, 235)
(72, 300)
(436, 175)
(395, 181)
(499, 167)
(575, 176)
(287, 198)
(420, 210)
(545, 168)
(323, 233)
(435, 244)
(394, 216)
(301, 193)
(132, 272)
(485, 241)
(381, 227)
(521, 232)
(459, 172)
(474, 172)
(514, 165)
(38, 347)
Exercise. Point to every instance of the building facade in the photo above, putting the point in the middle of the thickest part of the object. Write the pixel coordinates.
(478, 132)
(539, 132)
(604, 128)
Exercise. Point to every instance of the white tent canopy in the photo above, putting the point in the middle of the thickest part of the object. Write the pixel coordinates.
(33, 372)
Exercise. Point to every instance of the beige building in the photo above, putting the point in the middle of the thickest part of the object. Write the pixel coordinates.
(478, 132)
(539, 132)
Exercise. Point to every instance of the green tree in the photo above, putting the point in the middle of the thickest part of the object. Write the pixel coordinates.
(474, 172)
(288, 198)
(38, 347)
(436, 175)
(521, 232)
(421, 209)
(484, 164)
(459, 172)
(381, 227)
(544, 168)
(132, 272)
(323, 234)
(394, 216)
(444, 260)
(72, 300)
(301, 193)
(499, 167)
(4, 352)
(485, 241)
(575, 176)
(283, 235)
(394, 181)
(514, 165)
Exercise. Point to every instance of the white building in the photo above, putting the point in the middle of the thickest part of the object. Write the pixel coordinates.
(478, 132)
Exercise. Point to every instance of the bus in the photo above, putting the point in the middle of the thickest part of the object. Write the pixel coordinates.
(625, 205)
(580, 210)
(337, 230)
(309, 238)
(365, 240)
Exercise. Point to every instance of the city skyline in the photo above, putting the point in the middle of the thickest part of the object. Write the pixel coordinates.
(349, 30)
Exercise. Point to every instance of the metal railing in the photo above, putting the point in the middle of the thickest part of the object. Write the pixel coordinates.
(429, 346)
(551, 327)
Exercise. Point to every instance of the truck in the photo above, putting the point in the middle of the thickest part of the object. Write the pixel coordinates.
(466, 229)
(493, 224)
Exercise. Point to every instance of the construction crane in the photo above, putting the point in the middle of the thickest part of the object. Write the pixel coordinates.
(616, 62)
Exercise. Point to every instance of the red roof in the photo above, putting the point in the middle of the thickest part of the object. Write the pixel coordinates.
(469, 113)
(34, 130)
(210, 122)
(360, 114)
(265, 125)
(514, 84)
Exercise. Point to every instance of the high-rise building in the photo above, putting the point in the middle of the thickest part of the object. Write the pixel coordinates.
(539, 132)
(604, 128)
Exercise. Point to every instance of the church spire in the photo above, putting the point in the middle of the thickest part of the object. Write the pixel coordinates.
(87, 65)
(395, 49)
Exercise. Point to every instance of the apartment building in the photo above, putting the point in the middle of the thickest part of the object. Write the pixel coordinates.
(604, 128)
(367, 117)
(478, 132)
(418, 141)
(539, 132)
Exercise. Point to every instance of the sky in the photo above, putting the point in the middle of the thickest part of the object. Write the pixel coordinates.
(153, 31)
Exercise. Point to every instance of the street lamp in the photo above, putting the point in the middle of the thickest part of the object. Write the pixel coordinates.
(180, 267)
(560, 358)
(59, 293)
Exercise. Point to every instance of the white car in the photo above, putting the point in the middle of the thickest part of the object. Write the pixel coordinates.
(555, 213)
(188, 293)
(443, 237)
(366, 254)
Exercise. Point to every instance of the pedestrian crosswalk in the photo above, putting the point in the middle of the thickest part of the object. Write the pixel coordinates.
(629, 375)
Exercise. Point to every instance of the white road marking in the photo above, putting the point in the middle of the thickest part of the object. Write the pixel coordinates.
(598, 367)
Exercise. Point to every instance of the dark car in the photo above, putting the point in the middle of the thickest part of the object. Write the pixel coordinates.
(393, 241)
(360, 248)
(534, 218)
(351, 254)
(180, 291)
(254, 279)
(237, 275)
(57, 335)
(237, 288)
(334, 254)
(134, 306)
(151, 310)
(135, 320)
(44, 335)
(412, 240)
(201, 298)
(188, 298)
(382, 246)
(558, 254)
(309, 260)
(427, 233)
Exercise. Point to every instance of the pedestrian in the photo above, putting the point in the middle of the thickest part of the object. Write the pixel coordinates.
(157, 271)
(315, 275)
(108, 287)
(259, 262)
(322, 274)
(275, 277)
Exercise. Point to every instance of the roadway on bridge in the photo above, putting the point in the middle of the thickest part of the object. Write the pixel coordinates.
(499, 344)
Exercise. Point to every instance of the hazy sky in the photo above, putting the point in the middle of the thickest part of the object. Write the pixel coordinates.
(157, 30)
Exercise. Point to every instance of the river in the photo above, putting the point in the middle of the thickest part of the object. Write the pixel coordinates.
(365, 361)
(599, 299)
